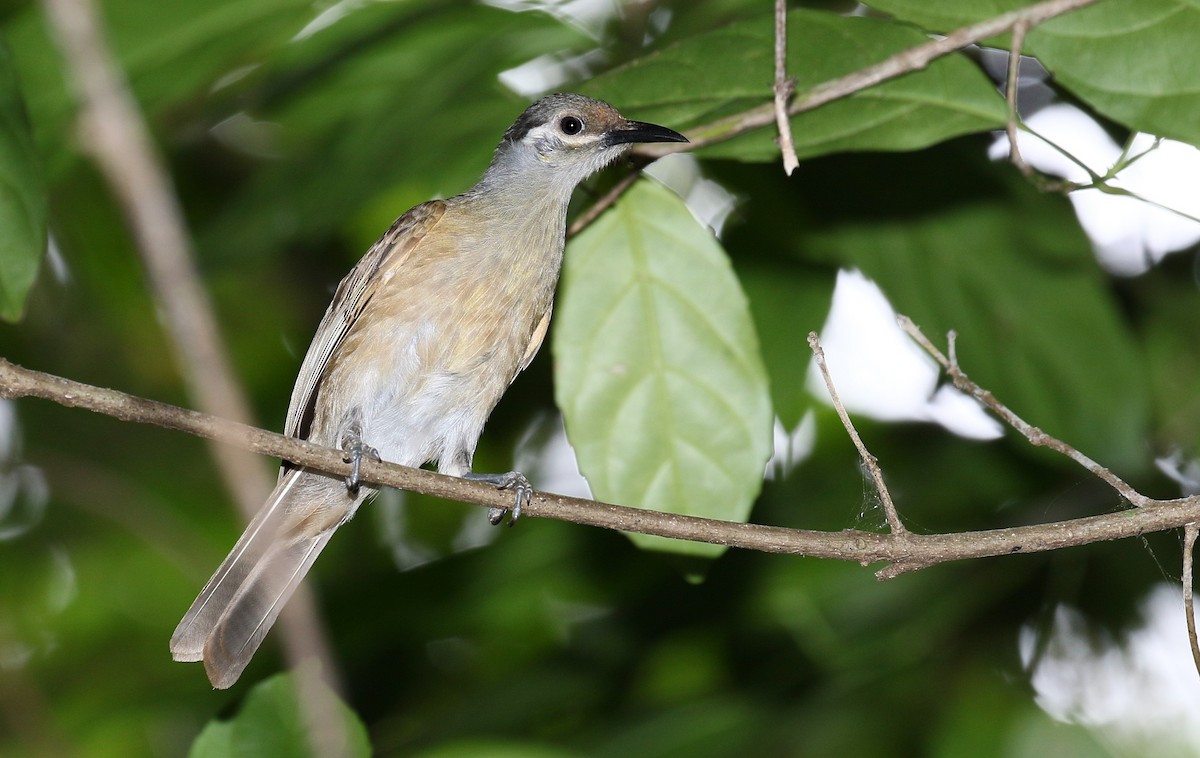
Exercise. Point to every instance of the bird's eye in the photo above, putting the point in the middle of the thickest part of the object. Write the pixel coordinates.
(570, 125)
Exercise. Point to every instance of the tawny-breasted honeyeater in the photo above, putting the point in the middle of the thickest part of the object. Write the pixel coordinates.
(422, 338)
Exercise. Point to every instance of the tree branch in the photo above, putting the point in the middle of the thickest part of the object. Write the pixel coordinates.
(903, 62)
(904, 551)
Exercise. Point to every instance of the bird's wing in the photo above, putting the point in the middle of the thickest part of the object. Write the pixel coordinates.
(352, 295)
(535, 342)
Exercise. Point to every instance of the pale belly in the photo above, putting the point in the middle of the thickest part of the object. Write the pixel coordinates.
(414, 395)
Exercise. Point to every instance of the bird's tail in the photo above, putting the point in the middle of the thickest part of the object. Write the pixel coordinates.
(235, 610)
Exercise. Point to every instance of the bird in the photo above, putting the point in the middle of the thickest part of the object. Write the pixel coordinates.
(420, 341)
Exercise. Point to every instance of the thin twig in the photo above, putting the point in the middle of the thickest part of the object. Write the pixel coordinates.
(906, 552)
(1190, 533)
(1014, 124)
(114, 132)
(868, 459)
(1010, 97)
(784, 88)
(1032, 433)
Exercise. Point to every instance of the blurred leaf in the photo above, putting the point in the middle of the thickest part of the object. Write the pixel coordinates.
(1168, 326)
(731, 69)
(22, 196)
(657, 366)
(1038, 734)
(712, 726)
(271, 724)
(495, 749)
(396, 99)
(171, 53)
(1133, 61)
(215, 741)
(986, 720)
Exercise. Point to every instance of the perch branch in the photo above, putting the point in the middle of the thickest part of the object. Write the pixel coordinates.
(904, 552)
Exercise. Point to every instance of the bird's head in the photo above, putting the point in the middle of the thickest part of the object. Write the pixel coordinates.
(573, 136)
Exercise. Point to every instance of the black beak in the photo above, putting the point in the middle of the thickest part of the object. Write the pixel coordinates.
(640, 131)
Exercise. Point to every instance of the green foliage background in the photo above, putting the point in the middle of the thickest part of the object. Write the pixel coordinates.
(551, 639)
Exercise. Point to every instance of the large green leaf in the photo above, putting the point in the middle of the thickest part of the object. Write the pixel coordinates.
(271, 724)
(731, 69)
(22, 197)
(1133, 61)
(657, 365)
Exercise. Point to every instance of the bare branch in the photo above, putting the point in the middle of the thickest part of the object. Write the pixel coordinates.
(869, 460)
(905, 551)
(784, 88)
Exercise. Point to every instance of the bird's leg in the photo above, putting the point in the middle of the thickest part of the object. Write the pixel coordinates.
(513, 480)
(354, 448)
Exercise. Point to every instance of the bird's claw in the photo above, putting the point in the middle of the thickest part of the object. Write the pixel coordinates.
(513, 480)
(354, 455)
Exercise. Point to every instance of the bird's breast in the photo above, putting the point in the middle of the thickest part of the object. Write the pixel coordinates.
(442, 336)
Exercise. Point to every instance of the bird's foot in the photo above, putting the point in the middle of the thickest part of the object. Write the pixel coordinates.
(355, 449)
(513, 480)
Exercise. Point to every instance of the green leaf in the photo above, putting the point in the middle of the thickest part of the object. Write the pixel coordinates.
(1133, 61)
(731, 70)
(271, 723)
(22, 197)
(658, 372)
